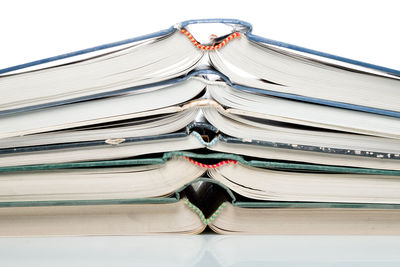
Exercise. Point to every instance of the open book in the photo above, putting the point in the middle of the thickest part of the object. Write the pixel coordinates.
(94, 139)
(228, 133)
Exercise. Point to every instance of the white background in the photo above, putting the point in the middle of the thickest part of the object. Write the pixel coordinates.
(362, 30)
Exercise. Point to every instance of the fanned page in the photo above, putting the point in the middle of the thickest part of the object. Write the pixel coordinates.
(107, 218)
(124, 107)
(255, 65)
(97, 180)
(292, 219)
(247, 103)
(150, 62)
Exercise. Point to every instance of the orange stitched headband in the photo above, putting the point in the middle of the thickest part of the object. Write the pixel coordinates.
(209, 47)
(209, 166)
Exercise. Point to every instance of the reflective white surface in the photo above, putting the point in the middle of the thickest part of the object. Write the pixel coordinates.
(201, 250)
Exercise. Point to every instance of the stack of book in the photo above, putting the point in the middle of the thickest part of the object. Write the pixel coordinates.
(139, 136)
